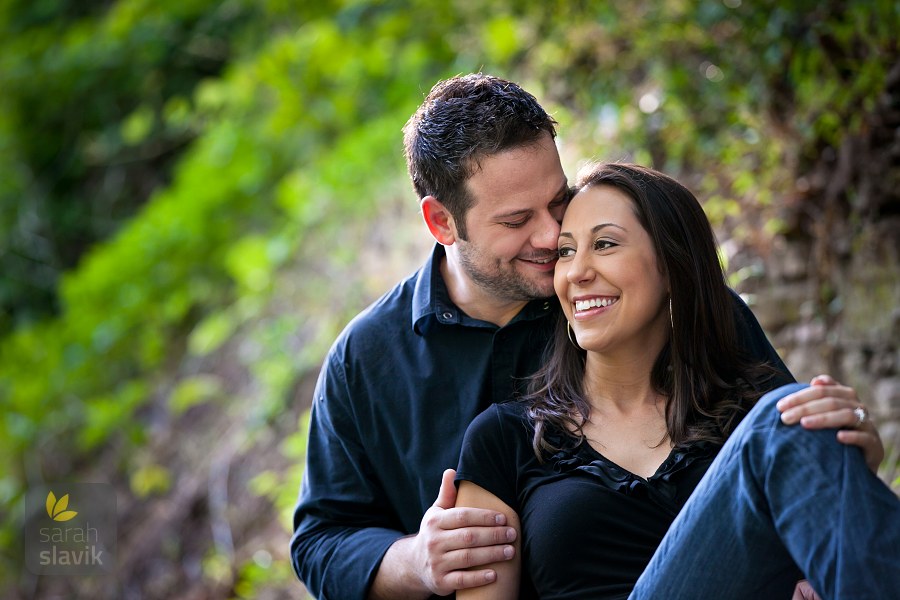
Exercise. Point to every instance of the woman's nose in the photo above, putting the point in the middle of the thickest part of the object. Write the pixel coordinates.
(579, 268)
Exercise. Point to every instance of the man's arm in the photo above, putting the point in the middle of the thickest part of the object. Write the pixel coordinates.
(754, 342)
(342, 523)
(347, 541)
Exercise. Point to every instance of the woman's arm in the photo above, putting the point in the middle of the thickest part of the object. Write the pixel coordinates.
(506, 585)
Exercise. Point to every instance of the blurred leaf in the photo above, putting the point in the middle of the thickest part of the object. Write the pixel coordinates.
(138, 125)
(150, 480)
(193, 391)
(211, 333)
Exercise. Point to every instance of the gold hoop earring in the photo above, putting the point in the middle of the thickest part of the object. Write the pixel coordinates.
(671, 318)
(569, 333)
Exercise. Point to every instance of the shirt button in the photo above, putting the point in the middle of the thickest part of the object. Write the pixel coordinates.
(546, 305)
(447, 315)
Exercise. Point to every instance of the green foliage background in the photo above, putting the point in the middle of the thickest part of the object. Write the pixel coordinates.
(195, 196)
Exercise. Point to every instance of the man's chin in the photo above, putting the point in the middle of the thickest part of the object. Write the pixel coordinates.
(540, 287)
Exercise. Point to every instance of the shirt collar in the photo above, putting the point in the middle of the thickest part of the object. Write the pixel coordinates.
(430, 295)
(432, 299)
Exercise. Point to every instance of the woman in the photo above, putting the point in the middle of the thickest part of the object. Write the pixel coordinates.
(643, 384)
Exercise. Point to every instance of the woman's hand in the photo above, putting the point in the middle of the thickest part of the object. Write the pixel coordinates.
(828, 404)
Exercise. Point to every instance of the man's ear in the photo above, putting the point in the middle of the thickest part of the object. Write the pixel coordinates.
(439, 221)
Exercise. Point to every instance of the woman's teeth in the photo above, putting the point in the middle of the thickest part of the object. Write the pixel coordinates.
(593, 303)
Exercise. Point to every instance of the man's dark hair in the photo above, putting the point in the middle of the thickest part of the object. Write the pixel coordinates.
(462, 120)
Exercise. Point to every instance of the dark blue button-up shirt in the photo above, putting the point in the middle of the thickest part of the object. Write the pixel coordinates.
(397, 391)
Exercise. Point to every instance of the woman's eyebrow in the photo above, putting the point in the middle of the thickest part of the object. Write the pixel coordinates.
(594, 229)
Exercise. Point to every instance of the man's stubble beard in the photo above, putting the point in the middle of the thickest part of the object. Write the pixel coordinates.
(504, 281)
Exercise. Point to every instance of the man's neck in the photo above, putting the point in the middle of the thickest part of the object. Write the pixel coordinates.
(473, 300)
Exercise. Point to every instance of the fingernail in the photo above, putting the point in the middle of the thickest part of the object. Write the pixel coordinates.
(508, 552)
(780, 405)
(510, 535)
(490, 576)
(500, 519)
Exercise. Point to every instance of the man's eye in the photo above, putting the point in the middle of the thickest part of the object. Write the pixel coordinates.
(513, 224)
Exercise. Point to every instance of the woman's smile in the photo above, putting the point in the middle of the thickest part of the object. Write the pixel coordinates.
(586, 306)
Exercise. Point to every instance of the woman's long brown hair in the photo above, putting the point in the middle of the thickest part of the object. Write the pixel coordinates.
(710, 384)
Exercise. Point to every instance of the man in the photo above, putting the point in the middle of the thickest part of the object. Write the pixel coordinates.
(406, 377)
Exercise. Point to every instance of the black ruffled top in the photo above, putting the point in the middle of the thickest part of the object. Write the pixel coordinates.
(667, 486)
(589, 526)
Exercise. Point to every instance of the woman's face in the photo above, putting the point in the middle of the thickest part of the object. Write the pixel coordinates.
(607, 278)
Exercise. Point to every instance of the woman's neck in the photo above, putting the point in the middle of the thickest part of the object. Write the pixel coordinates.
(621, 381)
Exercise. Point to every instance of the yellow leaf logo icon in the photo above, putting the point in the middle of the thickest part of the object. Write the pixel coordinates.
(56, 509)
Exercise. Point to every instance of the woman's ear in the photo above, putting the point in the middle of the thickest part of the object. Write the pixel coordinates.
(439, 221)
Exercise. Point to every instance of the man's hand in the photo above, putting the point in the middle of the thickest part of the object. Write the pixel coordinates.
(453, 540)
(804, 591)
(450, 542)
(827, 404)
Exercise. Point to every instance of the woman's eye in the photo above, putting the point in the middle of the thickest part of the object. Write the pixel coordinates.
(566, 251)
(603, 245)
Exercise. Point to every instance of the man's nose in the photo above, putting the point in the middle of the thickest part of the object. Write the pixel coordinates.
(546, 234)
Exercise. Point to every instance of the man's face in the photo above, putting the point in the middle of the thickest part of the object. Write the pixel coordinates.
(519, 196)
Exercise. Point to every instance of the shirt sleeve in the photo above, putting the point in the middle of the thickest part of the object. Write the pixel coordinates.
(342, 524)
(487, 460)
(754, 341)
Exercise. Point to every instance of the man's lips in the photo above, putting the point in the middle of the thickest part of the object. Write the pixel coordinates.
(542, 263)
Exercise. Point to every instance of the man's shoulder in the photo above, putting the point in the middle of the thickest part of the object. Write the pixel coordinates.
(391, 311)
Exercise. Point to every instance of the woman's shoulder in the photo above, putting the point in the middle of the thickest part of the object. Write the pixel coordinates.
(513, 412)
(506, 419)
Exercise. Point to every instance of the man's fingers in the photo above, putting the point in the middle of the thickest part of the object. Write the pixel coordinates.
(460, 569)
(804, 591)
(447, 494)
(466, 547)
(454, 518)
(462, 580)
(468, 558)
(462, 517)
(473, 537)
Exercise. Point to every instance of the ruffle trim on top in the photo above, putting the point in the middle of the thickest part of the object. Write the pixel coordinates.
(661, 486)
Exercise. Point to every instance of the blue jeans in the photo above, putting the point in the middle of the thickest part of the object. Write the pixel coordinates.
(778, 504)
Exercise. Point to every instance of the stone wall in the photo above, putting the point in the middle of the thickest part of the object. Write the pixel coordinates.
(829, 290)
